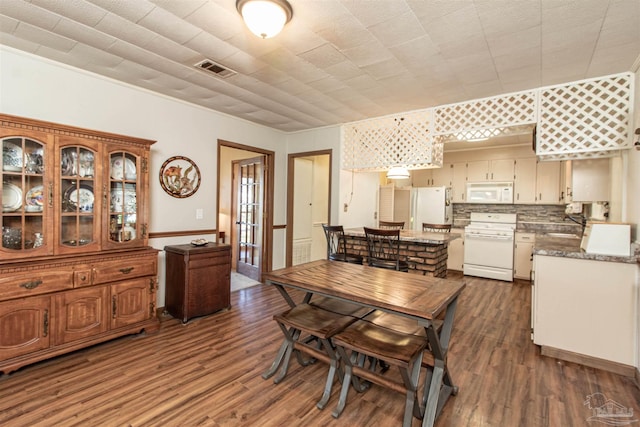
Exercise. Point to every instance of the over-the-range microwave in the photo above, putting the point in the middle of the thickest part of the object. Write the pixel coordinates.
(489, 192)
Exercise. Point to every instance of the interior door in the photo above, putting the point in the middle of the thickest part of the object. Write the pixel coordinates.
(302, 214)
(249, 200)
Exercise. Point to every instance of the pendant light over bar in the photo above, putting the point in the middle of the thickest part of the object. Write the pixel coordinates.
(398, 172)
(265, 18)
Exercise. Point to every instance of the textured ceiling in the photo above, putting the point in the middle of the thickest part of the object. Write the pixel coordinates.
(337, 61)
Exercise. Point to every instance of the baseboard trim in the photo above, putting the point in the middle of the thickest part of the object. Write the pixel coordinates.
(593, 362)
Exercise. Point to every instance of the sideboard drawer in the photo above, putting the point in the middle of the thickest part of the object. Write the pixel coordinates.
(207, 259)
(111, 272)
(35, 283)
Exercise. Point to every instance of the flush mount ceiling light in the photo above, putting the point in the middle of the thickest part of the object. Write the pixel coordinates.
(265, 18)
(398, 172)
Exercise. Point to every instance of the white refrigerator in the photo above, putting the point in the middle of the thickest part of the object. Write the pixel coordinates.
(432, 205)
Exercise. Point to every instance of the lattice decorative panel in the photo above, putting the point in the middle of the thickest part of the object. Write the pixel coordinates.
(591, 116)
(399, 140)
(577, 120)
(579, 156)
(479, 115)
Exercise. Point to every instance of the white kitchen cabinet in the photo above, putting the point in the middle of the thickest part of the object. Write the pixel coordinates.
(566, 192)
(455, 257)
(421, 177)
(525, 181)
(441, 177)
(437, 177)
(585, 307)
(590, 180)
(490, 170)
(548, 183)
(458, 182)
(523, 256)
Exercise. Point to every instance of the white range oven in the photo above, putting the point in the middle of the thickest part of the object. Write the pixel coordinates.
(489, 245)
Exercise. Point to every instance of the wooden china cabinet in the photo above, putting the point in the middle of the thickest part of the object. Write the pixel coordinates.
(75, 265)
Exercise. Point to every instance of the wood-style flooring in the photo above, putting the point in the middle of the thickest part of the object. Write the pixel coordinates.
(208, 373)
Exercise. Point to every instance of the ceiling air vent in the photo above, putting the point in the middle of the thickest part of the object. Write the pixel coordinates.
(214, 68)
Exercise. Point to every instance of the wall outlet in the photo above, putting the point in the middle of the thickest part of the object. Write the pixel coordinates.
(199, 214)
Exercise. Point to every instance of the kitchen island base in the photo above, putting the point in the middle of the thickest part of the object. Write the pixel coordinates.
(426, 252)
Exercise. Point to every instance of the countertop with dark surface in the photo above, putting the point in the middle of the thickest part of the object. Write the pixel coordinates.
(569, 247)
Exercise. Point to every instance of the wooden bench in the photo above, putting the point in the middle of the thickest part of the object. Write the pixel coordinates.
(319, 325)
(366, 340)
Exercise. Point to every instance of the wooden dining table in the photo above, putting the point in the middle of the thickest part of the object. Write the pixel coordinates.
(422, 298)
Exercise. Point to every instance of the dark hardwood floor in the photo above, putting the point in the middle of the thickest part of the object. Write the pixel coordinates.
(207, 373)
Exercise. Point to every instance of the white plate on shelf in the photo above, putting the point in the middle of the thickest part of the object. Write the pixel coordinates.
(11, 158)
(81, 198)
(129, 205)
(34, 199)
(11, 197)
(123, 169)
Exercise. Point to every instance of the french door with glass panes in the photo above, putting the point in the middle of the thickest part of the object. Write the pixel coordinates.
(249, 191)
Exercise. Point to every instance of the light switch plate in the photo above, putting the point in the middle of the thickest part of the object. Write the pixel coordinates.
(199, 213)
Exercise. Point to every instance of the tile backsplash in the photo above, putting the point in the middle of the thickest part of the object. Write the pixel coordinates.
(533, 217)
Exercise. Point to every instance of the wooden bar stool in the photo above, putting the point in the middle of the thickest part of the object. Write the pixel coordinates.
(436, 228)
(383, 247)
(319, 325)
(365, 340)
(391, 225)
(337, 245)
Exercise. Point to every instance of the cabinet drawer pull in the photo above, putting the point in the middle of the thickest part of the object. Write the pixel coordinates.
(31, 285)
(114, 306)
(126, 270)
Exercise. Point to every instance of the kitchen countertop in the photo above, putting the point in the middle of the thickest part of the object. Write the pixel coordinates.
(570, 248)
(413, 236)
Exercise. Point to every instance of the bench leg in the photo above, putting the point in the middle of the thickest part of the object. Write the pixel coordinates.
(432, 397)
(333, 367)
(291, 335)
(277, 361)
(411, 379)
(346, 382)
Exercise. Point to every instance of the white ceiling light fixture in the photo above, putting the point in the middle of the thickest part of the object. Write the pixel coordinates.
(265, 18)
(398, 172)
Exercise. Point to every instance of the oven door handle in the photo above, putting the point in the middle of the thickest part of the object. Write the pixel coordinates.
(487, 237)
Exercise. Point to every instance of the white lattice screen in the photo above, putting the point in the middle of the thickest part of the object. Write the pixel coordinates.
(479, 115)
(583, 119)
(400, 140)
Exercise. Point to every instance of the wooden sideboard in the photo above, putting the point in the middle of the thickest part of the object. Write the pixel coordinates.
(198, 279)
(75, 265)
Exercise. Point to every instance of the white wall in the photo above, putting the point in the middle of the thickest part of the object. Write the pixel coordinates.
(633, 169)
(633, 205)
(37, 88)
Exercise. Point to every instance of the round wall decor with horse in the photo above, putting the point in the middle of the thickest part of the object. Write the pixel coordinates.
(179, 176)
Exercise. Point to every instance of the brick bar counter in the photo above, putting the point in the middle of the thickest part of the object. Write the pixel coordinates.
(425, 251)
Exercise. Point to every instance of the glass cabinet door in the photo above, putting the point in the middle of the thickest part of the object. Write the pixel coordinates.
(79, 210)
(124, 227)
(26, 197)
